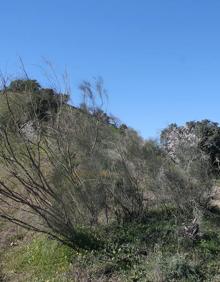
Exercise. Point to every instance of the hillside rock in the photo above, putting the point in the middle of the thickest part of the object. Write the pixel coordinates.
(214, 203)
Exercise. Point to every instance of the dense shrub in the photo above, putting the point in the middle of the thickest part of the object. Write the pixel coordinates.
(24, 85)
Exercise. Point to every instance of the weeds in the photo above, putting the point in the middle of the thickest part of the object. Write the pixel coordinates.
(133, 252)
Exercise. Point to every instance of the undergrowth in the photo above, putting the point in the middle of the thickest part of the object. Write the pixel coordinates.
(147, 251)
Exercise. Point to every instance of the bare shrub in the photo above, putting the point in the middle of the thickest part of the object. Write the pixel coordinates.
(70, 168)
(55, 172)
(129, 178)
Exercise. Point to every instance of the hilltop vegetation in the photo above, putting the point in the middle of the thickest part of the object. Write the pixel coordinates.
(98, 201)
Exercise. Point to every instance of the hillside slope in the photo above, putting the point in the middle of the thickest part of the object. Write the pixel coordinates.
(100, 203)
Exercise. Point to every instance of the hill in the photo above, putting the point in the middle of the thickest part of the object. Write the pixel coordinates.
(84, 198)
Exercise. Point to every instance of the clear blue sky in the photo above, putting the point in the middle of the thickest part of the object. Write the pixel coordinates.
(160, 60)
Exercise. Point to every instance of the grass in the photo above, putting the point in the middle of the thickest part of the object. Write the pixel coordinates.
(40, 260)
(149, 251)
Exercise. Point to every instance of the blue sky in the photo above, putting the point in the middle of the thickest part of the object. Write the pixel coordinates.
(160, 60)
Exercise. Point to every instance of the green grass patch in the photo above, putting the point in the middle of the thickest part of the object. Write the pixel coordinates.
(41, 259)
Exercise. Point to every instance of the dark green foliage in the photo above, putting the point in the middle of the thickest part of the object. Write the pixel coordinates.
(24, 85)
(210, 141)
(37, 102)
(46, 103)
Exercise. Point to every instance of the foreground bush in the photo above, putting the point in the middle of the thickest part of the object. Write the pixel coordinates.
(69, 170)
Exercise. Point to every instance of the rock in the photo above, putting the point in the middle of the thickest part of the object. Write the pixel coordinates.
(214, 203)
